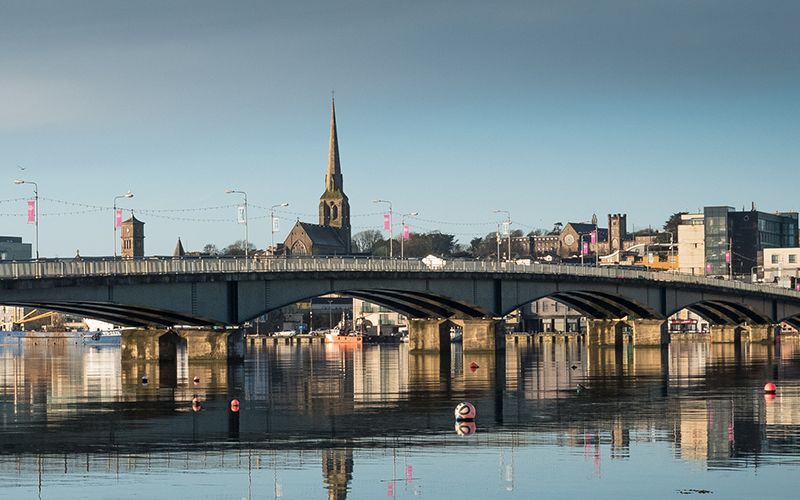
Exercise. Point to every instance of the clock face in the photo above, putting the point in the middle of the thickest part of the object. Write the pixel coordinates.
(569, 239)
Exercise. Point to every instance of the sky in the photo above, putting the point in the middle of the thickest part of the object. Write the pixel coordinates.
(552, 110)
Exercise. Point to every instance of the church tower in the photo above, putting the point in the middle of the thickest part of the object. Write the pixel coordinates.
(334, 207)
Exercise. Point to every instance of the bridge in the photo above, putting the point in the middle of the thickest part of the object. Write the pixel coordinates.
(156, 294)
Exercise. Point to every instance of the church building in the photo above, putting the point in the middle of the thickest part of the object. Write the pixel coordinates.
(332, 235)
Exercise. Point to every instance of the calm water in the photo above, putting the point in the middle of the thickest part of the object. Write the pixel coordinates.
(336, 422)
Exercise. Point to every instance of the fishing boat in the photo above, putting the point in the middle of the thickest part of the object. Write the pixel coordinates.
(335, 335)
(109, 337)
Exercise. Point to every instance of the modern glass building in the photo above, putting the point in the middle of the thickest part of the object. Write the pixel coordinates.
(744, 234)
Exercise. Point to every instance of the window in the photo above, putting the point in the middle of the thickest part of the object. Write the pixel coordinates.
(793, 259)
(774, 259)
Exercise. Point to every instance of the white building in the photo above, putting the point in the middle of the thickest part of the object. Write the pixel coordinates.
(780, 266)
(377, 320)
(691, 245)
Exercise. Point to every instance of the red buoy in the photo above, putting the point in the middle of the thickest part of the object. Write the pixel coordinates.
(465, 411)
(770, 396)
(474, 366)
(770, 388)
(235, 405)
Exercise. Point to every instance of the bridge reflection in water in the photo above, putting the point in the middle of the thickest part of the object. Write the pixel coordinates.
(374, 419)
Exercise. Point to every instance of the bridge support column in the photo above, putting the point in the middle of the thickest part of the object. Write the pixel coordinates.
(724, 334)
(163, 345)
(482, 334)
(650, 332)
(603, 332)
(762, 333)
(428, 335)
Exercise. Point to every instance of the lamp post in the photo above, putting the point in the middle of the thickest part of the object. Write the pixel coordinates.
(246, 229)
(581, 242)
(508, 221)
(36, 208)
(671, 252)
(403, 237)
(272, 221)
(391, 233)
(126, 195)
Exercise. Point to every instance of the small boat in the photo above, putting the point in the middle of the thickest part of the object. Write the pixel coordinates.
(335, 335)
(285, 334)
(102, 337)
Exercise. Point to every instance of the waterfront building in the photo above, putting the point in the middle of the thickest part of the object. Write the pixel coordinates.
(132, 235)
(780, 266)
(733, 239)
(549, 315)
(374, 319)
(691, 244)
(332, 235)
(12, 248)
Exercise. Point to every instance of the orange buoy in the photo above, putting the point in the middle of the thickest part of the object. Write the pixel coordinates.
(235, 405)
(465, 411)
(770, 388)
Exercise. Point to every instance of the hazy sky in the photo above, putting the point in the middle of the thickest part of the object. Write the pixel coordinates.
(553, 110)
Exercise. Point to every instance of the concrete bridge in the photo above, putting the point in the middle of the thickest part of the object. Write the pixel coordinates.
(211, 293)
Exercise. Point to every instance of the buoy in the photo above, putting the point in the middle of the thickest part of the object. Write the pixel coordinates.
(474, 366)
(195, 400)
(770, 388)
(235, 405)
(574, 367)
(144, 380)
(196, 407)
(466, 428)
(196, 380)
(770, 396)
(465, 411)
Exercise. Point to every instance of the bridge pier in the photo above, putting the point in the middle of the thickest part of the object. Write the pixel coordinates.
(722, 334)
(163, 345)
(487, 335)
(650, 332)
(428, 335)
(604, 332)
(762, 333)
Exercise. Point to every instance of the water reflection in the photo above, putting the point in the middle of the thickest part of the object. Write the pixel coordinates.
(71, 414)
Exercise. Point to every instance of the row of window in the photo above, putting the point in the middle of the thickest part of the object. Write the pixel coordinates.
(792, 257)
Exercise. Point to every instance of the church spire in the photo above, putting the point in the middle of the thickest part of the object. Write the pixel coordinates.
(333, 179)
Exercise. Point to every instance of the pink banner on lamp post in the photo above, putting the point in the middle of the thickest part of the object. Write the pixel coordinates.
(585, 248)
(728, 257)
(118, 218)
(31, 211)
(387, 222)
(406, 232)
(708, 267)
(594, 237)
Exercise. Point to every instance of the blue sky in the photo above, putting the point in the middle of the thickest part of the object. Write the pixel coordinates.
(553, 110)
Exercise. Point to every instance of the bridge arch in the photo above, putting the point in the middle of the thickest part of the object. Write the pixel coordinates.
(596, 304)
(725, 312)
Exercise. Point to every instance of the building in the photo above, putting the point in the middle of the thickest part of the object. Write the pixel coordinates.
(332, 235)
(691, 245)
(12, 248)
(734, 239)
(780, 266)
(132, 235)
(373, 319)
(549, 315)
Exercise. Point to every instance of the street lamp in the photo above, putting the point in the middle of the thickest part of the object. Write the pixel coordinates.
(391, 233)
(403, 225)
(272, 221)
(508, 221)
(246, 229)
(36, 209)
(126, 195)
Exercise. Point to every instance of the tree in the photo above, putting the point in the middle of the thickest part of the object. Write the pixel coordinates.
(366, 241)
(236, 248)
(211, 249)
(671, 226)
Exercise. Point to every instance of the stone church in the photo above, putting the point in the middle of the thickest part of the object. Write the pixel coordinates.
(332, 235)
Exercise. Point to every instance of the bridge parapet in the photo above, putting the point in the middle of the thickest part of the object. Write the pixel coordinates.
(63, 268)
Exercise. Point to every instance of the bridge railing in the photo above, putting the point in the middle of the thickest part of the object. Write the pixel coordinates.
(53, 268)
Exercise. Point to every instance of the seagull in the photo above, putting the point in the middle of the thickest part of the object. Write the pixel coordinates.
(574, 367)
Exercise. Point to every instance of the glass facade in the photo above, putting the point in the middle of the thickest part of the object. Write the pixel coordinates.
(717, 236)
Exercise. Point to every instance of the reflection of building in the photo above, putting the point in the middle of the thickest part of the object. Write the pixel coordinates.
(685, 321)
(337, 471)
(332, 235)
